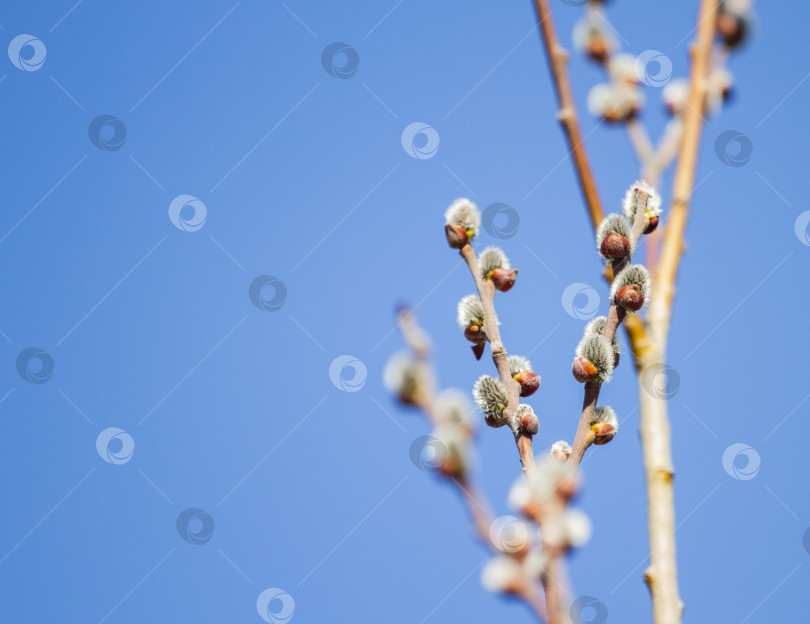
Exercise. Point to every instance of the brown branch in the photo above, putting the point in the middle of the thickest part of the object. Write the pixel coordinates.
(486, 290)
(476, 502)
(567, 115)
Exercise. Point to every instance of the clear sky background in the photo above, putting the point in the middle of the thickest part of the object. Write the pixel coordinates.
(303, 179)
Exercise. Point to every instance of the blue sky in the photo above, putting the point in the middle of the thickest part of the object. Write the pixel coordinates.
(204, 339)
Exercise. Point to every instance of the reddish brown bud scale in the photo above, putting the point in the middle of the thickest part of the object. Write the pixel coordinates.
(615, 359)
(603, 433)
(598, 48)
(478, 350)
(529, 424)
(529, 382)
(652, 223)
(630, 297)
(456, 236)
(584, 370)
(503, 279)
(562, 456)
(614, 246)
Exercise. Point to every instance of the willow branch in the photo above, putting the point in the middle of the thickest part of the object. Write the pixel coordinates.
(673, 243)
(567, 115)
(474, 499)
(486, 291)
(661, 576)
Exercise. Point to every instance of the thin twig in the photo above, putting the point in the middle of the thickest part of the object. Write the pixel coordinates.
(567, 115)
(476, 502)
(486, 291)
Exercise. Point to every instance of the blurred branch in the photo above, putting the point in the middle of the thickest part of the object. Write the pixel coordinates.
(474, 499)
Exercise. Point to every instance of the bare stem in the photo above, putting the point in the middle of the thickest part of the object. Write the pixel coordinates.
(567, 115)
(661, 576)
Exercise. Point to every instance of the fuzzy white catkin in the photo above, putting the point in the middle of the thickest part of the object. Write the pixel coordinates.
(492, 258)
(518, 363)
(593, 24)
(490, 395)
(634, 274)
(623, 67)
(452, 407)
(400, 373)
(612, 223)
(576, 527)
(501, 573)
(597, 326)
(534, 563)
(614, 101)
(675, 95)
(464, 214)
(561, 446)
(599, 352)
(605, 414)
(653, 206)
(470, 308)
